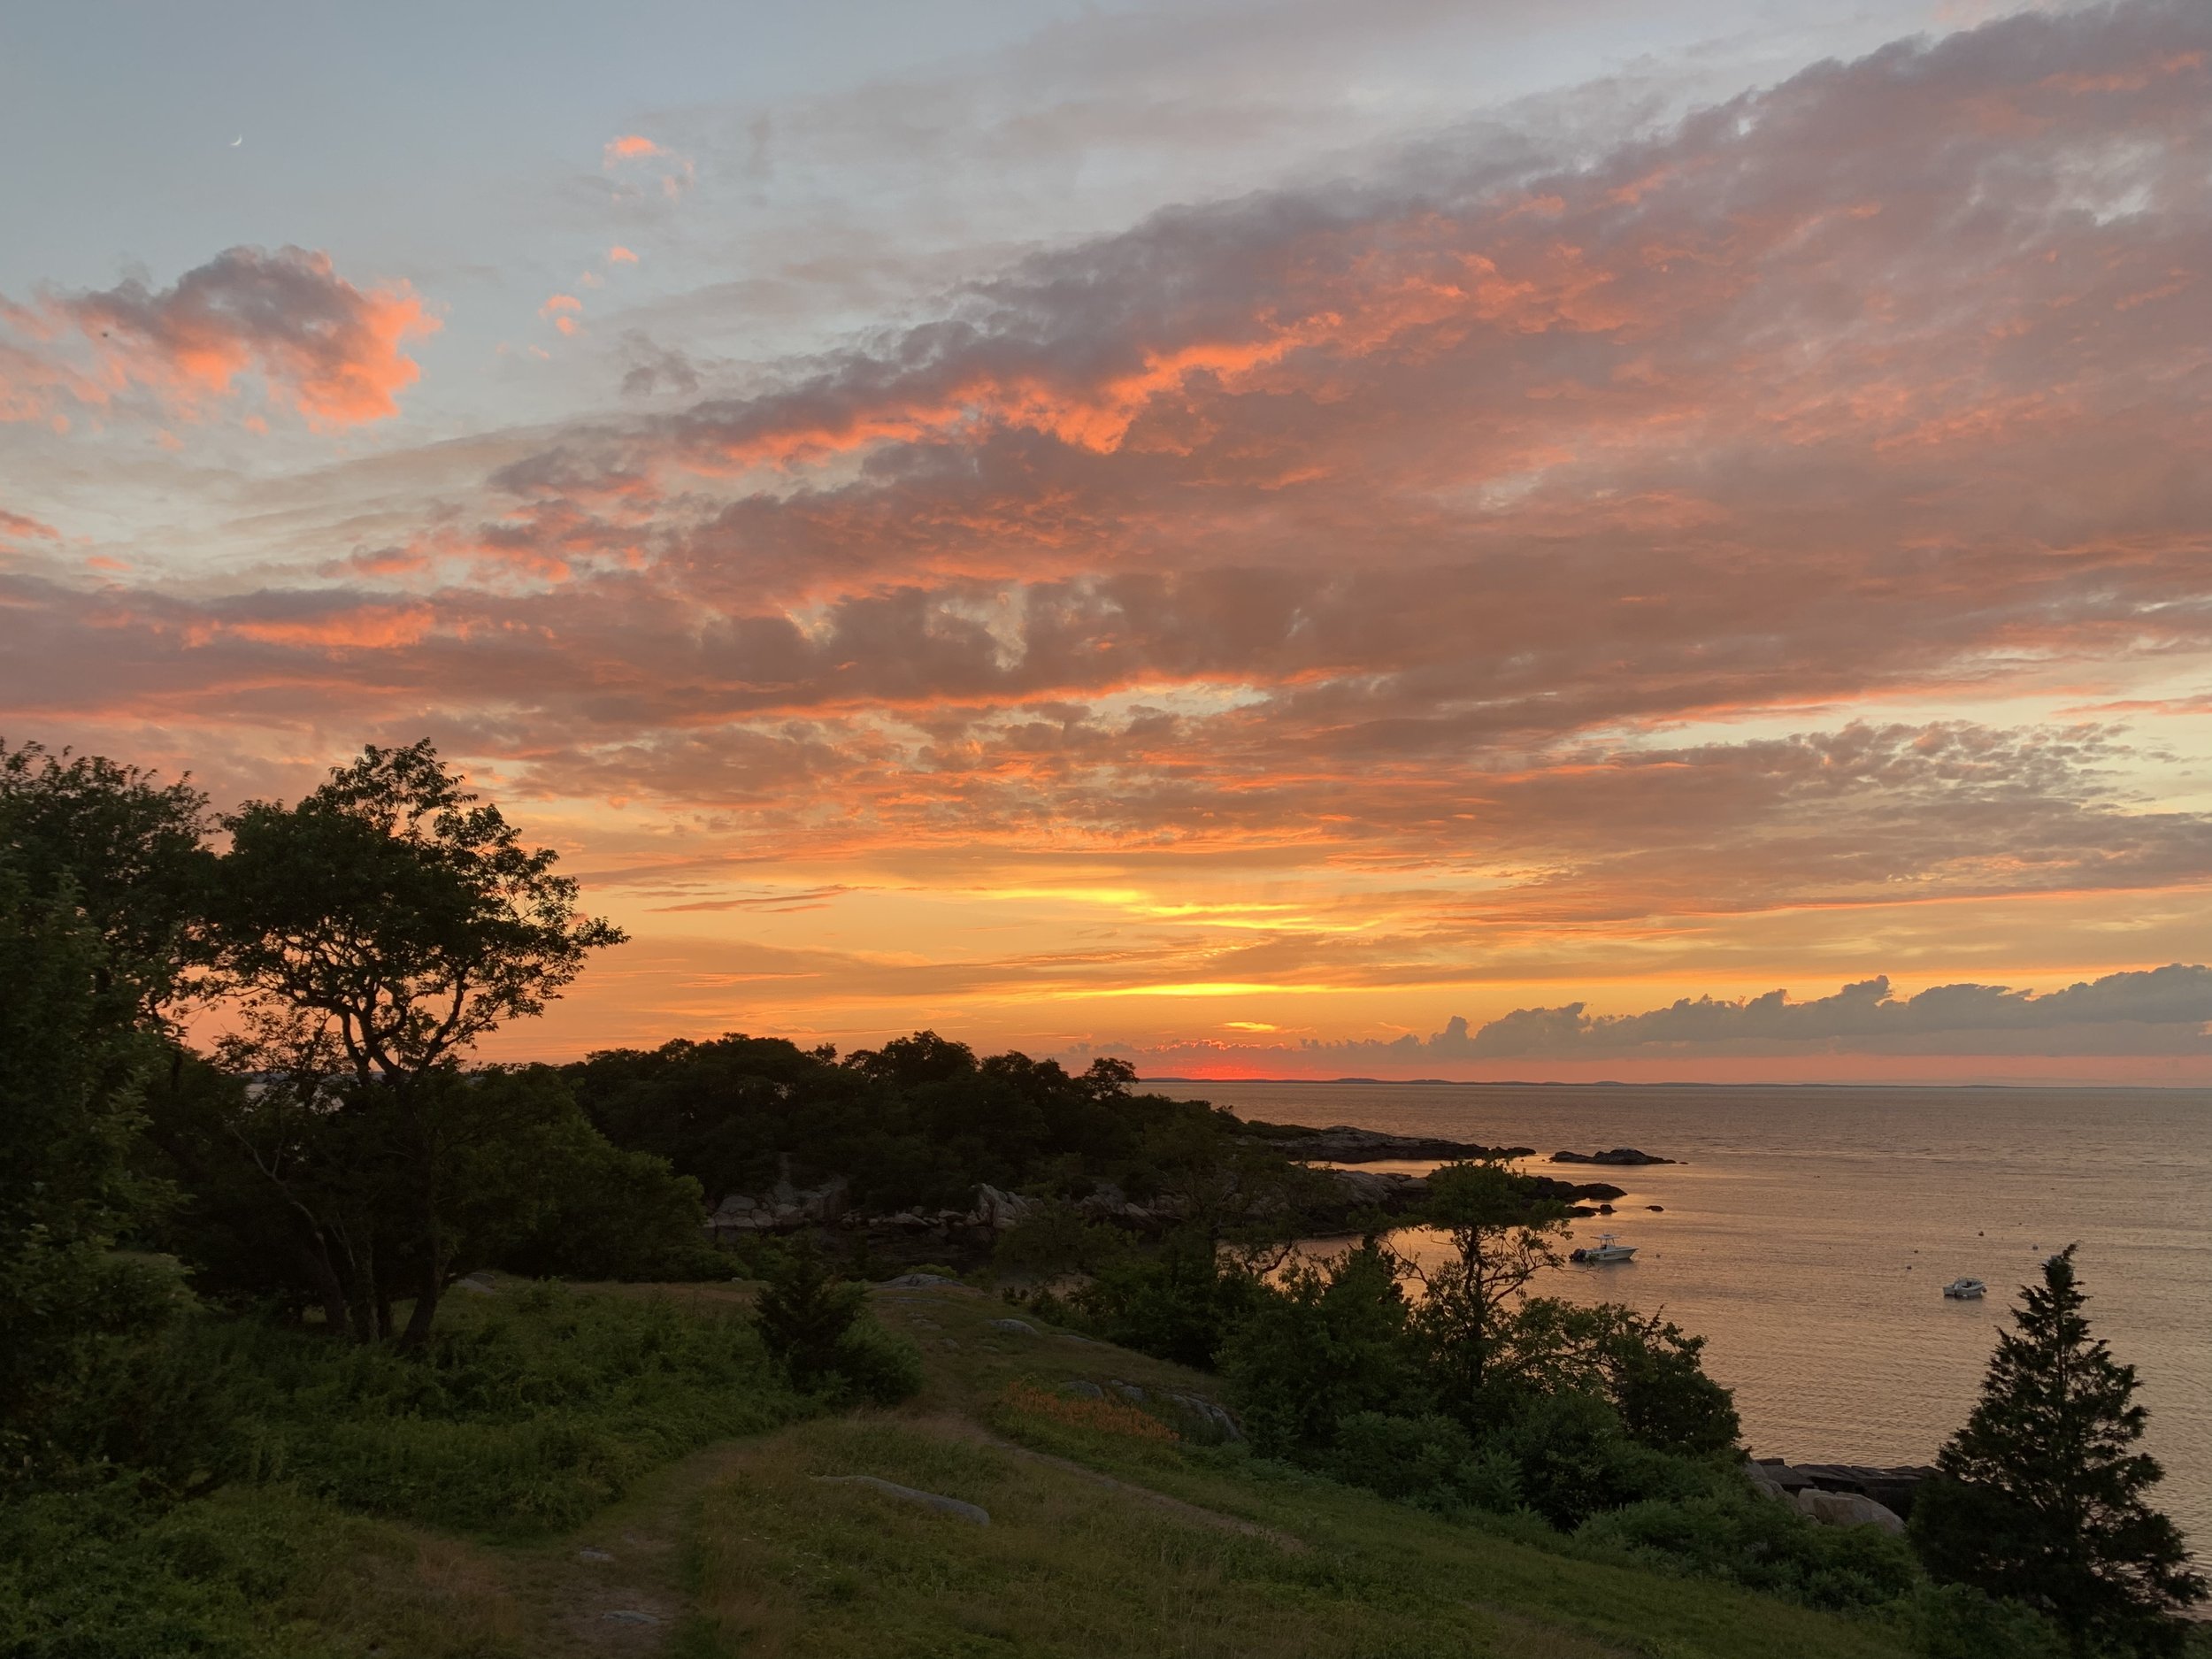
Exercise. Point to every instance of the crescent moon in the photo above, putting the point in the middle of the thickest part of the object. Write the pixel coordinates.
(237, 141)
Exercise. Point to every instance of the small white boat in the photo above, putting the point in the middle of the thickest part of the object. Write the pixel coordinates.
(1966, 1290)
(1604, 1250)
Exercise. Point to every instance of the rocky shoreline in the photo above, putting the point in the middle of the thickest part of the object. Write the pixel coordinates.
(1342, 1143)
(1361, 1194)
(1619, 1156)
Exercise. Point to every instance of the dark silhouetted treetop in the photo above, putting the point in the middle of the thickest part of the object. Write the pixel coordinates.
(393, 915)
(133, 852)
(2042, 1497)
(920, 1120)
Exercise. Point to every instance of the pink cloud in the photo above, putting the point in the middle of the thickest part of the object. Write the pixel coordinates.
(19, 527)
(329, 349)
(619, 255)
(631, 147)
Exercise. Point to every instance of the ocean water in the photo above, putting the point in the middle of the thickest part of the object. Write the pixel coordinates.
(1806, 1234)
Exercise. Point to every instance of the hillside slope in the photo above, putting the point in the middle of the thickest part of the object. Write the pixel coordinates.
(1105, 1539)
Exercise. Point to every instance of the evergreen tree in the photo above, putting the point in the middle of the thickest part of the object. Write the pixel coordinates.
(806, 1313)
(2041, 1497)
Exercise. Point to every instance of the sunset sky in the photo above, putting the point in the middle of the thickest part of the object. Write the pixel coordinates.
(1271, 538)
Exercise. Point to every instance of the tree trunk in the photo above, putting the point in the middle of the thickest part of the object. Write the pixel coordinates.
(329, 1291)
(418, 1330)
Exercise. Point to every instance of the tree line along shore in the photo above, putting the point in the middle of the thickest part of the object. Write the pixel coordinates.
(265, 1295)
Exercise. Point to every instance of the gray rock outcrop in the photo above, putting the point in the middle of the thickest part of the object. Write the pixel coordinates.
(1847, 1509)
(960, 1511)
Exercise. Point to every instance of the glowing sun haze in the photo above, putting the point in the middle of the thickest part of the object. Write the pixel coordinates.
(1398, 540)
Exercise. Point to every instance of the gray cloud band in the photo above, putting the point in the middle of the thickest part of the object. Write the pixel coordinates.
(2161, 1004)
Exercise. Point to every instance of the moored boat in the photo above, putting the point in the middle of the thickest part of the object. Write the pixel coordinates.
(1966, 1290)
(1606, 1249)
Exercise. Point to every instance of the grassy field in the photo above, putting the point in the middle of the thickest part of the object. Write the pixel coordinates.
(1108, 1535)
(1106, 1539)
(682, 1509)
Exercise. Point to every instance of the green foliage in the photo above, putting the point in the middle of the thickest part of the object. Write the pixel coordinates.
(1727, 1531)
(817, 1328)
(2042, 1497)
(1646, 1368)
(70, 1063)
(1181, 1302)
(1576, 1460)
(1429, 1461)
(530, 1411)
(129, 850)
(314, 1199)
(1503, 1232)
(1955, 1621)
(527, 1413)
(1056, 1237)
(1323, 1343)
(106, 1575)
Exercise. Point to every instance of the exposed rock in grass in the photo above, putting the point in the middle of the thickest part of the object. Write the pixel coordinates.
(959, 1510)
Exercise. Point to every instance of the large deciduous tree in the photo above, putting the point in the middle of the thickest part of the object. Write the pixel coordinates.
(368, 935)
(2042, 1497)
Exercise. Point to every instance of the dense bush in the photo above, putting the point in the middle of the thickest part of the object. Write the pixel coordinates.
(1728, 1532)
(103, 1573)
(1322, 1344)
(1429, 1461)
(818, 1329)
(1953, 1621)
(518, 1413)
(1181, 1302)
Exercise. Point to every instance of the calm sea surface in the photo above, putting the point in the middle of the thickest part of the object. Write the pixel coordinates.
(1807, 1233)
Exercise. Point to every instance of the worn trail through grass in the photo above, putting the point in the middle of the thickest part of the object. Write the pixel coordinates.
(1104, 1542)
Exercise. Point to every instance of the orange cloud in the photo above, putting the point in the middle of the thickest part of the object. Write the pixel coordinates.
(619, 255)
(370, 627)
(329, 349)
(1515, 575)
(676, 172)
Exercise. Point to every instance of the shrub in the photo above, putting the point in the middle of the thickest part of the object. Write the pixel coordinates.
(521, 1414)
(816, 1326)
(1728, 1534)
(101, 1575)
(1575, 1459)
(1953, 1621)
(877, 1366)
(1179, 1304)
(1430, 1461)
(1327, 1342)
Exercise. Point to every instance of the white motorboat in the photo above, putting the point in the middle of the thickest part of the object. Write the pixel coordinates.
(1606, 1249)
(1966, 1290)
